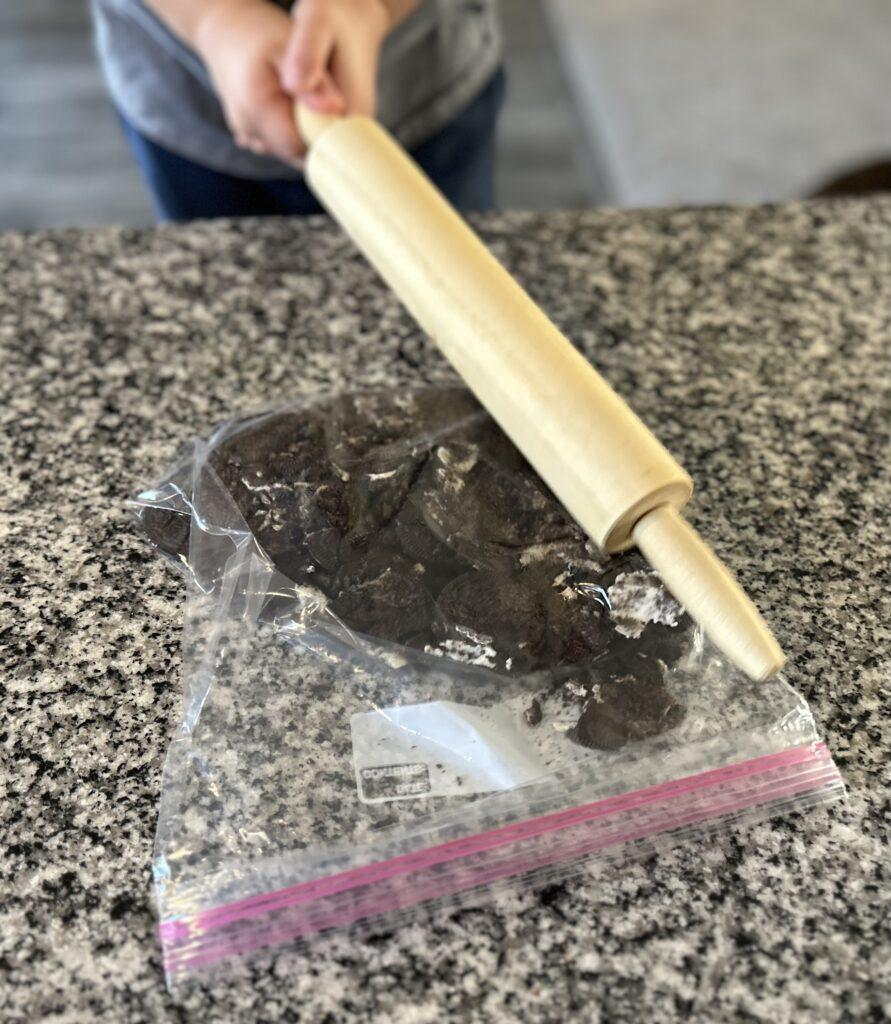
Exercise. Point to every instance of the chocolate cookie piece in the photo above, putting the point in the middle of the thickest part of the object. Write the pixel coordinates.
(577, 628)
(568, 576)
(622, 692)
(624, 709)
(389, 426)
(448, 412)
(357, 425)
(376, 492)
(616, 688)
(323, 546)
(637, 598)
(483, 511)
(168, 530)
(645, 616)
(419, 544)
(275, 470)
(495, 610)
(377, 444)
(382, 594)
(493, 445)
(533, 714)
(298, 433)
(643, 622)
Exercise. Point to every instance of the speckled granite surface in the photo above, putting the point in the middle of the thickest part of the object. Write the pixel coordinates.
(757, 342)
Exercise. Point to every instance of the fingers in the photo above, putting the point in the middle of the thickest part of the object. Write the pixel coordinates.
(250, 140)
(326, 98)
(305, 64)
(263, 120)
(354, 68)
(270, 131)
(274, 125)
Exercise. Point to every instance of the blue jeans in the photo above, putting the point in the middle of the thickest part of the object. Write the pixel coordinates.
(460, 159)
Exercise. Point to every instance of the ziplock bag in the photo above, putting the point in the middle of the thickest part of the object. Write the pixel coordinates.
(410, 679)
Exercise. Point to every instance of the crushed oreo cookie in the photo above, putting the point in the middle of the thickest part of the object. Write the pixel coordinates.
(418, 522)
(623, 710)
(533, 714)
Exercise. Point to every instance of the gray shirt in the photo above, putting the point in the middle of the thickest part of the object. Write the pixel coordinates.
(432, 65)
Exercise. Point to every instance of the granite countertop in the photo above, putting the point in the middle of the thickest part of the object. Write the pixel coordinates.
(756, 341)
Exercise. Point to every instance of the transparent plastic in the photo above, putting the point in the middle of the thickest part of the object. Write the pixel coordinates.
(410, 680)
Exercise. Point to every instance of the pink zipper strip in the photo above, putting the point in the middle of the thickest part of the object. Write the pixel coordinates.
(349, 879)
(180, 933)
(223, 946)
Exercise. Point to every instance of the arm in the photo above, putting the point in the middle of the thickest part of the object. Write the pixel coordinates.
(184, 17)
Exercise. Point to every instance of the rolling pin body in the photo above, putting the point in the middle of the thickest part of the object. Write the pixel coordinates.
(583, 440)
(607, 469)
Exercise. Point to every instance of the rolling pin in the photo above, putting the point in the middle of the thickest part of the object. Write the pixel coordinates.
(611, 474)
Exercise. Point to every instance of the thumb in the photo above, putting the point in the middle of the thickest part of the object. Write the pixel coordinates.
(354, 66)
(304, 65)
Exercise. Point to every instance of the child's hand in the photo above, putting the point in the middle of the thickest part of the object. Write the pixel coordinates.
(242, 43)
(331, 60)
(260, 60)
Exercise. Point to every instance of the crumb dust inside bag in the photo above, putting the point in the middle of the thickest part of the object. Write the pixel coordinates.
(409, 676)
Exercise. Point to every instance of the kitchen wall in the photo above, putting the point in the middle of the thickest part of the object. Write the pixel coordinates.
(717, 101)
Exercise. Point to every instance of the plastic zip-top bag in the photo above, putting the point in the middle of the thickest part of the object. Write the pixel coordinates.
(411, 679)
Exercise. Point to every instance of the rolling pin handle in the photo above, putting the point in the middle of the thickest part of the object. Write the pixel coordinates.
(311, 123)
(705, 587)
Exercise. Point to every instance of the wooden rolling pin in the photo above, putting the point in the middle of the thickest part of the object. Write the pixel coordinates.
(597, 457)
